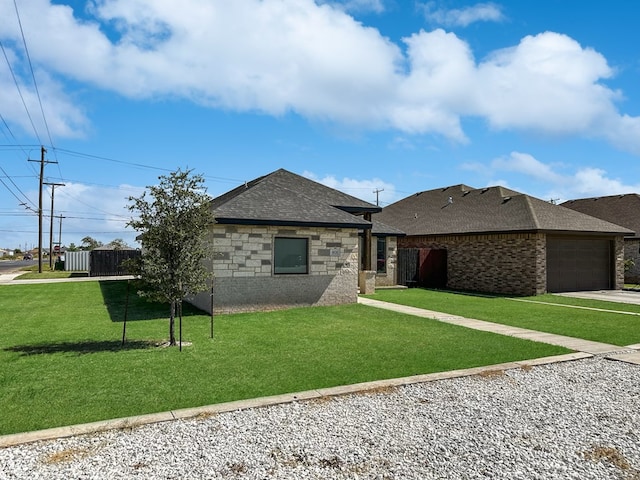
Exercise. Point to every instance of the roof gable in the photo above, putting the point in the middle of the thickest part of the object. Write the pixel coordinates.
(462, 210)
(284, 198)
(622, 210)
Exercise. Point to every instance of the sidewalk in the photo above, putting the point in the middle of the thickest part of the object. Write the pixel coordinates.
(10, 279)
(629, 354)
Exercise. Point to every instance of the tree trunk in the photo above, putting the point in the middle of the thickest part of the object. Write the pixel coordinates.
(172, 323)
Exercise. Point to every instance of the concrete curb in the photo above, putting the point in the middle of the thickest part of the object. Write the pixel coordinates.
(321, 393)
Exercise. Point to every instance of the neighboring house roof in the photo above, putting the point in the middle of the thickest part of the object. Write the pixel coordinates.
(284, 198)
(461, 209)
(380, 229)
(619, 209)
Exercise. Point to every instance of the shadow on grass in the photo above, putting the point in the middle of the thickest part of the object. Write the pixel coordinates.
(468, 293)
(114, 294)
(81, 348)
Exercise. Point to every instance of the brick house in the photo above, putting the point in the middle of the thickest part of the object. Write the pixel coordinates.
(283, 240)
(622, 210)
(501, 241)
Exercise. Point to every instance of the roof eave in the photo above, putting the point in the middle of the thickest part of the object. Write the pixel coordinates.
(292, 223)
(545, 231)
(358, 210)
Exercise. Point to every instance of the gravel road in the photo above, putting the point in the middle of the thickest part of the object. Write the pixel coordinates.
(574, 420)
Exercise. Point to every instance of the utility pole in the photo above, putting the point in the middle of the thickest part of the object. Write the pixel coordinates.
(53, 190)
(42, 162)
(60, 232)
(377, 191)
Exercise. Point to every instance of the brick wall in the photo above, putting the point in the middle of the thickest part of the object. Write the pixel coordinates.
(499, 263)
(632, 252)
(243, 269)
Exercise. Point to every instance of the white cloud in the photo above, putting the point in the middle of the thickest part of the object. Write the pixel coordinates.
(357, 6)
(547, 83)
(22, 107)
(559, 184)
(364, 189)
(319, 62)
(527, 165)
(463, 17)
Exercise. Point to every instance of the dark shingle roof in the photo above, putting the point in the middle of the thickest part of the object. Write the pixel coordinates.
(383, 230)
(619, 209)
(462, 210)
(284, 198)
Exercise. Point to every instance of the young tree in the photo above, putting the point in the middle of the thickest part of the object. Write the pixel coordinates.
(173, 219)
(90, 243)
(118, 244)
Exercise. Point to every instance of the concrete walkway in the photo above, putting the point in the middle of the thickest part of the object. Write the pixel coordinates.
(10, 279)
(629, 354)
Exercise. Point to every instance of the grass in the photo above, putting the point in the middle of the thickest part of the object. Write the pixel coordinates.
(31, 273)
(61, 361)
(614, 328)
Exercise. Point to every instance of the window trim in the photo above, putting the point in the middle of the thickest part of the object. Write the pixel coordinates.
(307, 255)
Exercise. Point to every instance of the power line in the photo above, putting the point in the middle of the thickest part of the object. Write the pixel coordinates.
(24, 104)
(140, 165)
(33, 76)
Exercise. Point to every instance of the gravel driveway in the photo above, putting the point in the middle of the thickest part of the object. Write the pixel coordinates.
(573, 420)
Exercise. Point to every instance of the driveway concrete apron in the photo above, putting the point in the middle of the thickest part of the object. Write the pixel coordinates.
(628, 354)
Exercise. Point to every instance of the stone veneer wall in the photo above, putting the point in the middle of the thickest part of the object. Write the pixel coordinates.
(243, 269)
(632, 252)
(389, 278)
(498, 263)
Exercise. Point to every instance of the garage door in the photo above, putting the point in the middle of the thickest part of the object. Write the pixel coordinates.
(575, 264)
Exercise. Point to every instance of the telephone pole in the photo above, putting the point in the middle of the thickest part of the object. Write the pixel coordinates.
(377, 191)
(53, 190)
(60, 232)
(42, 162)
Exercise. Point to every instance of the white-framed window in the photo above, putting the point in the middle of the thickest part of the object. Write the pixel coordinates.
(290, 255)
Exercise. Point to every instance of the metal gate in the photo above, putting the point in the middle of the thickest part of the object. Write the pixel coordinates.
(408, 266)
(422, 267)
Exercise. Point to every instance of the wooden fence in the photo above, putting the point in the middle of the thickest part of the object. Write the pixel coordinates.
(109, 262)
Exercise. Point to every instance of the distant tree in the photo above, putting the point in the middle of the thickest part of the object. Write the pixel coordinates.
(90, 243)
(173, 219)
(72, 247)
(118, 244)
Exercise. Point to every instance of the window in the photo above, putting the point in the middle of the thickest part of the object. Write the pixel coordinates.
(381, 256)
(290, 255)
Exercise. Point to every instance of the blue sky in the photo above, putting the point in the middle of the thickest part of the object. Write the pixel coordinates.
(399, 96)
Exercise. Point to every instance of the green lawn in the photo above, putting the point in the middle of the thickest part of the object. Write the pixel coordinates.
(31, 273)
(606, 327)
(61, 361)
